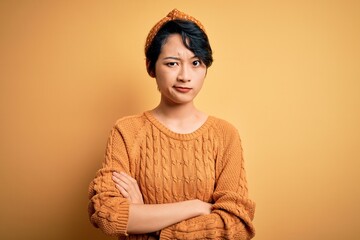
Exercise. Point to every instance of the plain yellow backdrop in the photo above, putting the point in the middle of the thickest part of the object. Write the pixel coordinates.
(286, 74)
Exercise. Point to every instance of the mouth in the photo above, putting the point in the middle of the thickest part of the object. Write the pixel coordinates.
(182, 89)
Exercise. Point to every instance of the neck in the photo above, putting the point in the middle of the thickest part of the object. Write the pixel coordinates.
(179, 118)
(176, 111)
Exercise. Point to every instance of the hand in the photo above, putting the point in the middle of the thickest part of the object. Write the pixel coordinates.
(204, 207)
(128, 187)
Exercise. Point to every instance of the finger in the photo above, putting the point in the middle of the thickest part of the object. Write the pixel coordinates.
(123, 192)
(124, 178)
(129, 184)
(115, 178)
(122, 183)
(127, 178)
(123, 188)
(130, 181)
(118, 175)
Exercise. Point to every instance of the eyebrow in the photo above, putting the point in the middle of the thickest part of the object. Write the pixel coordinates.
(177, 58)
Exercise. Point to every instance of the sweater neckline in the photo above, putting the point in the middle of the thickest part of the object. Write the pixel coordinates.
(180, 136)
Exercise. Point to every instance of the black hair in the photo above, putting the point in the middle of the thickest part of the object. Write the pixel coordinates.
(192, 36)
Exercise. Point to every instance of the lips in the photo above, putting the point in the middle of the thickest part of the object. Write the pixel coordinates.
(182, 89)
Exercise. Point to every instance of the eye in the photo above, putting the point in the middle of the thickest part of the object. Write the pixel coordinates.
(171, 64)
(196, 63)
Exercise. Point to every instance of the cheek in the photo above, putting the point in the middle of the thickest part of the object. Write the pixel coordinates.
(201, 76)
(161, 80)
(165, 75)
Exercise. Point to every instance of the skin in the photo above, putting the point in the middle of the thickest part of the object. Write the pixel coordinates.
(177, 67)
(179, 75)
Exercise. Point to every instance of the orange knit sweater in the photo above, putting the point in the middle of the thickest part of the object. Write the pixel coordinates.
(170, 167)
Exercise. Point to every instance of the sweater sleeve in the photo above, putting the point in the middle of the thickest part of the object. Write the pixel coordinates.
(108, 210)
(233, 211)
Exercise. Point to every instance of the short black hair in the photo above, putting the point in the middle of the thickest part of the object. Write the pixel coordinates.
(192, 36)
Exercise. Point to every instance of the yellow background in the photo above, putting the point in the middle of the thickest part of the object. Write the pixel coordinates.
(286, 74)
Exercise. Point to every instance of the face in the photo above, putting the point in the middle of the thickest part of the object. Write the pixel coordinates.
(179, 73)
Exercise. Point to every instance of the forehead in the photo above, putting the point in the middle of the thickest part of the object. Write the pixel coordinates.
(174, 46)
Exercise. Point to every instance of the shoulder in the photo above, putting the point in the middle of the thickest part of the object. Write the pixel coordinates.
(129, 126)
(226, 133)
(223, 127)
(228, 137)
(132, 121)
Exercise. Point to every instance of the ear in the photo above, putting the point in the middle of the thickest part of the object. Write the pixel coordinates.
(150, 72)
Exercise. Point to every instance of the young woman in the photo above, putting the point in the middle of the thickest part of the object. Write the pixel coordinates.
(174, 172)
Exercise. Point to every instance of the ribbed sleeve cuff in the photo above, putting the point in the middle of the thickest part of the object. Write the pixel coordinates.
(122, 218)
(113, 222)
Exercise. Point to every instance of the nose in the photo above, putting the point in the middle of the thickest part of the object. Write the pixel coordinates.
(184, 74)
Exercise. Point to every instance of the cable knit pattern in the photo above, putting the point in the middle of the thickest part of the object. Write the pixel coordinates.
(170, 167)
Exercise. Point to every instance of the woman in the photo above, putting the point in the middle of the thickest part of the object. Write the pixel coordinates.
(174, 172)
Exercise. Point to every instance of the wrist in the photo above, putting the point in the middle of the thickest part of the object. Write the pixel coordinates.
(202, 207)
